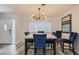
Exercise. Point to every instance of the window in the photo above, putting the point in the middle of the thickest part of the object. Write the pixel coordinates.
(40, 26)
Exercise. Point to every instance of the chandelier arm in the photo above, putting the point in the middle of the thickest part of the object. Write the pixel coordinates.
(39, 13)
(41, 16)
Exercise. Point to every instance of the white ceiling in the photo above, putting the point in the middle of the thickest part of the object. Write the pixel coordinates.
(51, 10)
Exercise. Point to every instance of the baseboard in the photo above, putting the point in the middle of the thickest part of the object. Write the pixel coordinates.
(5, 44)
(19, 44)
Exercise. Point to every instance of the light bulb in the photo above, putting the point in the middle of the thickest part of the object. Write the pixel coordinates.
(43, 13)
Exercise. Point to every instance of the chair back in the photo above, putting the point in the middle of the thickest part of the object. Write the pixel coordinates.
(39, 40)
(26, 33)
(40, 31)
(53, 33)
(58, 34)
(73, 36)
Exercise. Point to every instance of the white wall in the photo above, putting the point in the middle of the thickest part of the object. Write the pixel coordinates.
(75, 23)
(22, 26)
(55, 23)
(18, 30)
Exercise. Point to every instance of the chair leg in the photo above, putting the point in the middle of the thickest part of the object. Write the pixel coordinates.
(51, 46)
(35, 49)
(73, 48)
(48, 44)
(61, 44)
(54, 48)
(57, 40)
(63, 47)
(44, 51)
(69, 46)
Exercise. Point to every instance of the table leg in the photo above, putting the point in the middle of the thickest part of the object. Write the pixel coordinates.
(54, 47)
(26, 46)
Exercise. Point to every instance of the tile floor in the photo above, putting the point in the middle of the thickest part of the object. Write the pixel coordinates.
(8, 50)
(11, 50)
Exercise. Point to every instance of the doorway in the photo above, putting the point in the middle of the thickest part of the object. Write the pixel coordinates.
(7, 31)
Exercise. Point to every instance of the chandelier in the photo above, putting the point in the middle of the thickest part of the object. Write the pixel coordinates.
(40, 16)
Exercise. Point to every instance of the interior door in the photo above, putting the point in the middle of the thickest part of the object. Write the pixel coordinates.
(5, 31)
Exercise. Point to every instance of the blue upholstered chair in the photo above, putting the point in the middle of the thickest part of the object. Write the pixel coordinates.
(71, 40)
(39, 42)
(58, 34)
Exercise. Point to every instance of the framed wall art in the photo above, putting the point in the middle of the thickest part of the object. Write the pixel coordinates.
(66, 24)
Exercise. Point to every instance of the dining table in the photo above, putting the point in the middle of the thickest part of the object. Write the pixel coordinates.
(49, 38)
